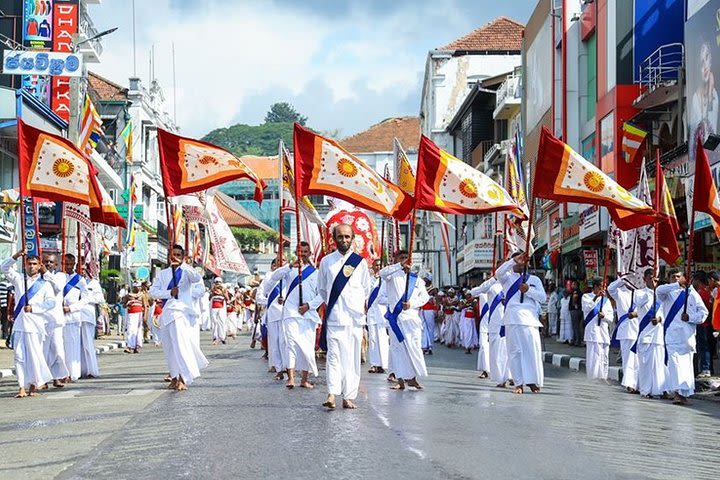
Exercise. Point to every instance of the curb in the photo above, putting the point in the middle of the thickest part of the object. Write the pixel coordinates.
(578, 364)
(10, 372)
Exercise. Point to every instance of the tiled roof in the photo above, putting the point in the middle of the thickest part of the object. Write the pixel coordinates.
(265, 167)
(236, 215)
(106, 89)
(500, 35)
(379, 137)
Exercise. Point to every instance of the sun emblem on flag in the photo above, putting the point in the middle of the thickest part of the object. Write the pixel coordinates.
(495, 194)
(624, 194)
(346, 168)
(62, 167)
(468, 188)
(207, 160)
(594, 181)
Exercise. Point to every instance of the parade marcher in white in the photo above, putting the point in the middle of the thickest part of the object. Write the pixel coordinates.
(428, 313)
(88, 357)
(300, 319)
(523, 295)
(57, 356)
(495, 311)
(597, 316)
(378, 341)
(683, 310)
(218, 311)
(626, 331)
(404, 300)
(74, 299)
(483, 360)
(134, 324)
(30, 314)
(176, 286)
(344, 285)
(269, 294)
(650, 343)
(468, 333)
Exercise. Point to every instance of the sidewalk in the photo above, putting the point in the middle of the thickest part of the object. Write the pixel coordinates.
(102, 345)
(567, 356)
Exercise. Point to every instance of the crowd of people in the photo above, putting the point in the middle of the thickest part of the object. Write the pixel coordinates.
(355, 311)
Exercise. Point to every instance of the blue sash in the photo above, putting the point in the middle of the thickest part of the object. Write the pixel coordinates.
(341, 280)
(391, 316)
(483, 311)
(72, 283)
(305, 274)
(502, 331)
(496, 301)
(644, 323)
(613, 339)
(674, 310)
(275, 293)
(374, 294)
(27, 296)
(175, 281)
(514, 288)
(593, 313)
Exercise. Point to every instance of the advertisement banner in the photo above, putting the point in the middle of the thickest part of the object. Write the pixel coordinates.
(591, 258)
(65, 23)
(37, 35)
(589, 221)
(41, 63)
(555, 230)
(32, 242)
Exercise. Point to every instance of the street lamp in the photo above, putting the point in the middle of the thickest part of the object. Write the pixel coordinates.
(99, 35)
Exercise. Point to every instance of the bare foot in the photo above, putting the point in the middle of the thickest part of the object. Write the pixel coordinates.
(33, 391)
(349, 404)
(306, 384)
(392, 378)
(167, 378)
(414, 383)
(214, 342)
(290, 384)
(58, 384)
(483, 374)
(279, 376)
(373, 370)
(127, 350)
(501, 385)
(44, 387)
(534, 388)
(173, 384)
(330, 402)
(398, 386)
(21, 393)
(518, 390)
(181, 386)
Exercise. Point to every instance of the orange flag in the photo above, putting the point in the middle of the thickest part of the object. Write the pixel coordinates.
(667, 230)
(708, 203)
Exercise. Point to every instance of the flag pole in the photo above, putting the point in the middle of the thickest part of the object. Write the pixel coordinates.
(688, 259)
(299, 257)
(604, 277)
(410, 252)
(527, 244)
(79, 268)
(658, 198)
(495, 242)
(382, 242)
(170, 237)
(281, 189)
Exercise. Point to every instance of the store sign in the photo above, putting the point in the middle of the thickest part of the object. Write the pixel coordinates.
(32, 243)
(477, 254)
(65, 21)
(589, 221)
(571, 233)
(554, 230)
(541, 238)
(41, 63)
(591, 258)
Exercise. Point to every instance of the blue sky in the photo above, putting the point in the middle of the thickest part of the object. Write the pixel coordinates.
(344, 64)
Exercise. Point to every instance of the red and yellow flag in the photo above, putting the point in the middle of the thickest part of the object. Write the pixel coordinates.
(51, 167)
(447, 184)
(323, 167)
(668, 228)
(708, 201)
(628, 170)
(102, 207)
(191, 165)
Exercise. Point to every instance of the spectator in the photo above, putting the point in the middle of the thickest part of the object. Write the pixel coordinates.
(576, 314)
(552, 309)
(704, 356)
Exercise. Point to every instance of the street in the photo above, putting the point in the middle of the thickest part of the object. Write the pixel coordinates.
(235, 421)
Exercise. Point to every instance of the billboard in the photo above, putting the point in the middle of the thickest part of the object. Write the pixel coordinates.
(538, 76)
(65, 25)
(37, 35)
(34, 62)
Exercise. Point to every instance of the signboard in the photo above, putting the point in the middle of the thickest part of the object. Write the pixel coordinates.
(138, 210)
(571, 233)
(589, 221)
(37, 24)
(555, 229)
(477, 254)
(591, 258)
(541, 238)
(41, 63)
(32, 244)
(65, 23)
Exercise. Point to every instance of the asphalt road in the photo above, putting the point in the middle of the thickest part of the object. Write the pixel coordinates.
(236, 422)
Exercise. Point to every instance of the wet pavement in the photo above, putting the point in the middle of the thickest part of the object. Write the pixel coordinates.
(236, 422)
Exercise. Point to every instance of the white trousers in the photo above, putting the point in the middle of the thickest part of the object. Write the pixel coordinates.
(300, 344)
(378, 346)
(499, 371)
(184, 357)
(597, 360)
(524, 354)
(343, 360)
(276, 345)
(205, 320)
(218, 319)
(428, 320)
(651, 369)
(629, 364)
(483, 360)
(552, 323)
(30, 365)
(232, 323)
(88, 356)
(54, 351)
(680, 373)
(134, 330)
(467, 332)
(407, 356)
(73, 348)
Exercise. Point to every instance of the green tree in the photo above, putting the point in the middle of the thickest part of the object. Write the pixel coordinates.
(250, 239)
(252, 139)
(282, 112)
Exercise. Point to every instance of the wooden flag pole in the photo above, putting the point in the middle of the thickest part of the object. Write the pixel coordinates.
(299, 248)
(382, 243)
(658, 199)
(281, 187)
(495, 242)
(79, 266)
(410, 251)
(688, 259)
(170, 237)
(527, 244)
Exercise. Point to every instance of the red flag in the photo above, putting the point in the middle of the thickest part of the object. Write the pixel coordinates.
(667, 230)
(706, 202)
(633, 146)
(447, 184)
(51, 167)
(191, 165)
(102, 208)
(323, 167)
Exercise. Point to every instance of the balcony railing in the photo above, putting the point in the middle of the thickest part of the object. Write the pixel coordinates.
(510, 89)
(661, 66)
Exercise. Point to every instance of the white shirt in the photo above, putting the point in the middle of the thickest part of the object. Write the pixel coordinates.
(92, 297)
(273, 312)
(516, 312)
(491, 288)
(349, 308)
(42, 302)
(628, 328)
(76, 298)
(311, 296)
(376, 312)
(594, 332)
(395, 279)
(651, 333)
(680, 334)
(185, 302)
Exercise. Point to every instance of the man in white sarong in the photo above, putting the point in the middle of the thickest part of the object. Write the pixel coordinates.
(300, 318)
(344, 285)
(54, 346)
(468, 335)
(679, 327)
(74, 297)
(88, 357)
(566, 332)
(494, 312)
(218, 311)
(135, 307)
(176, 285)
(650, 344)
(428, 312)
(30, 317)
(626, 331)
(483, 360)
(553, 307)
(378, 341)
(523, 295)
(205, 311)
(597, 316)
(408, 361)
(269, 295)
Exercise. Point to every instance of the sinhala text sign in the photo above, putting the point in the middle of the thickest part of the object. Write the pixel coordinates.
(41, 63)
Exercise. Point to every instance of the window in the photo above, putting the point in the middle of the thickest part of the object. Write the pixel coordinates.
(607, 143)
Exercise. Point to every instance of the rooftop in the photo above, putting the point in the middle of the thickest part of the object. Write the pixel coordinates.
(379, 137)
(500, 35)
(107, 90)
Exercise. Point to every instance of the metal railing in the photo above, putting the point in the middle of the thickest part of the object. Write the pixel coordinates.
(661, 66)
(509, 89)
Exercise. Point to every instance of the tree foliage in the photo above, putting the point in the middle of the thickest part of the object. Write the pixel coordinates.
(250, 239)
(244, 139)
(283, 112)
